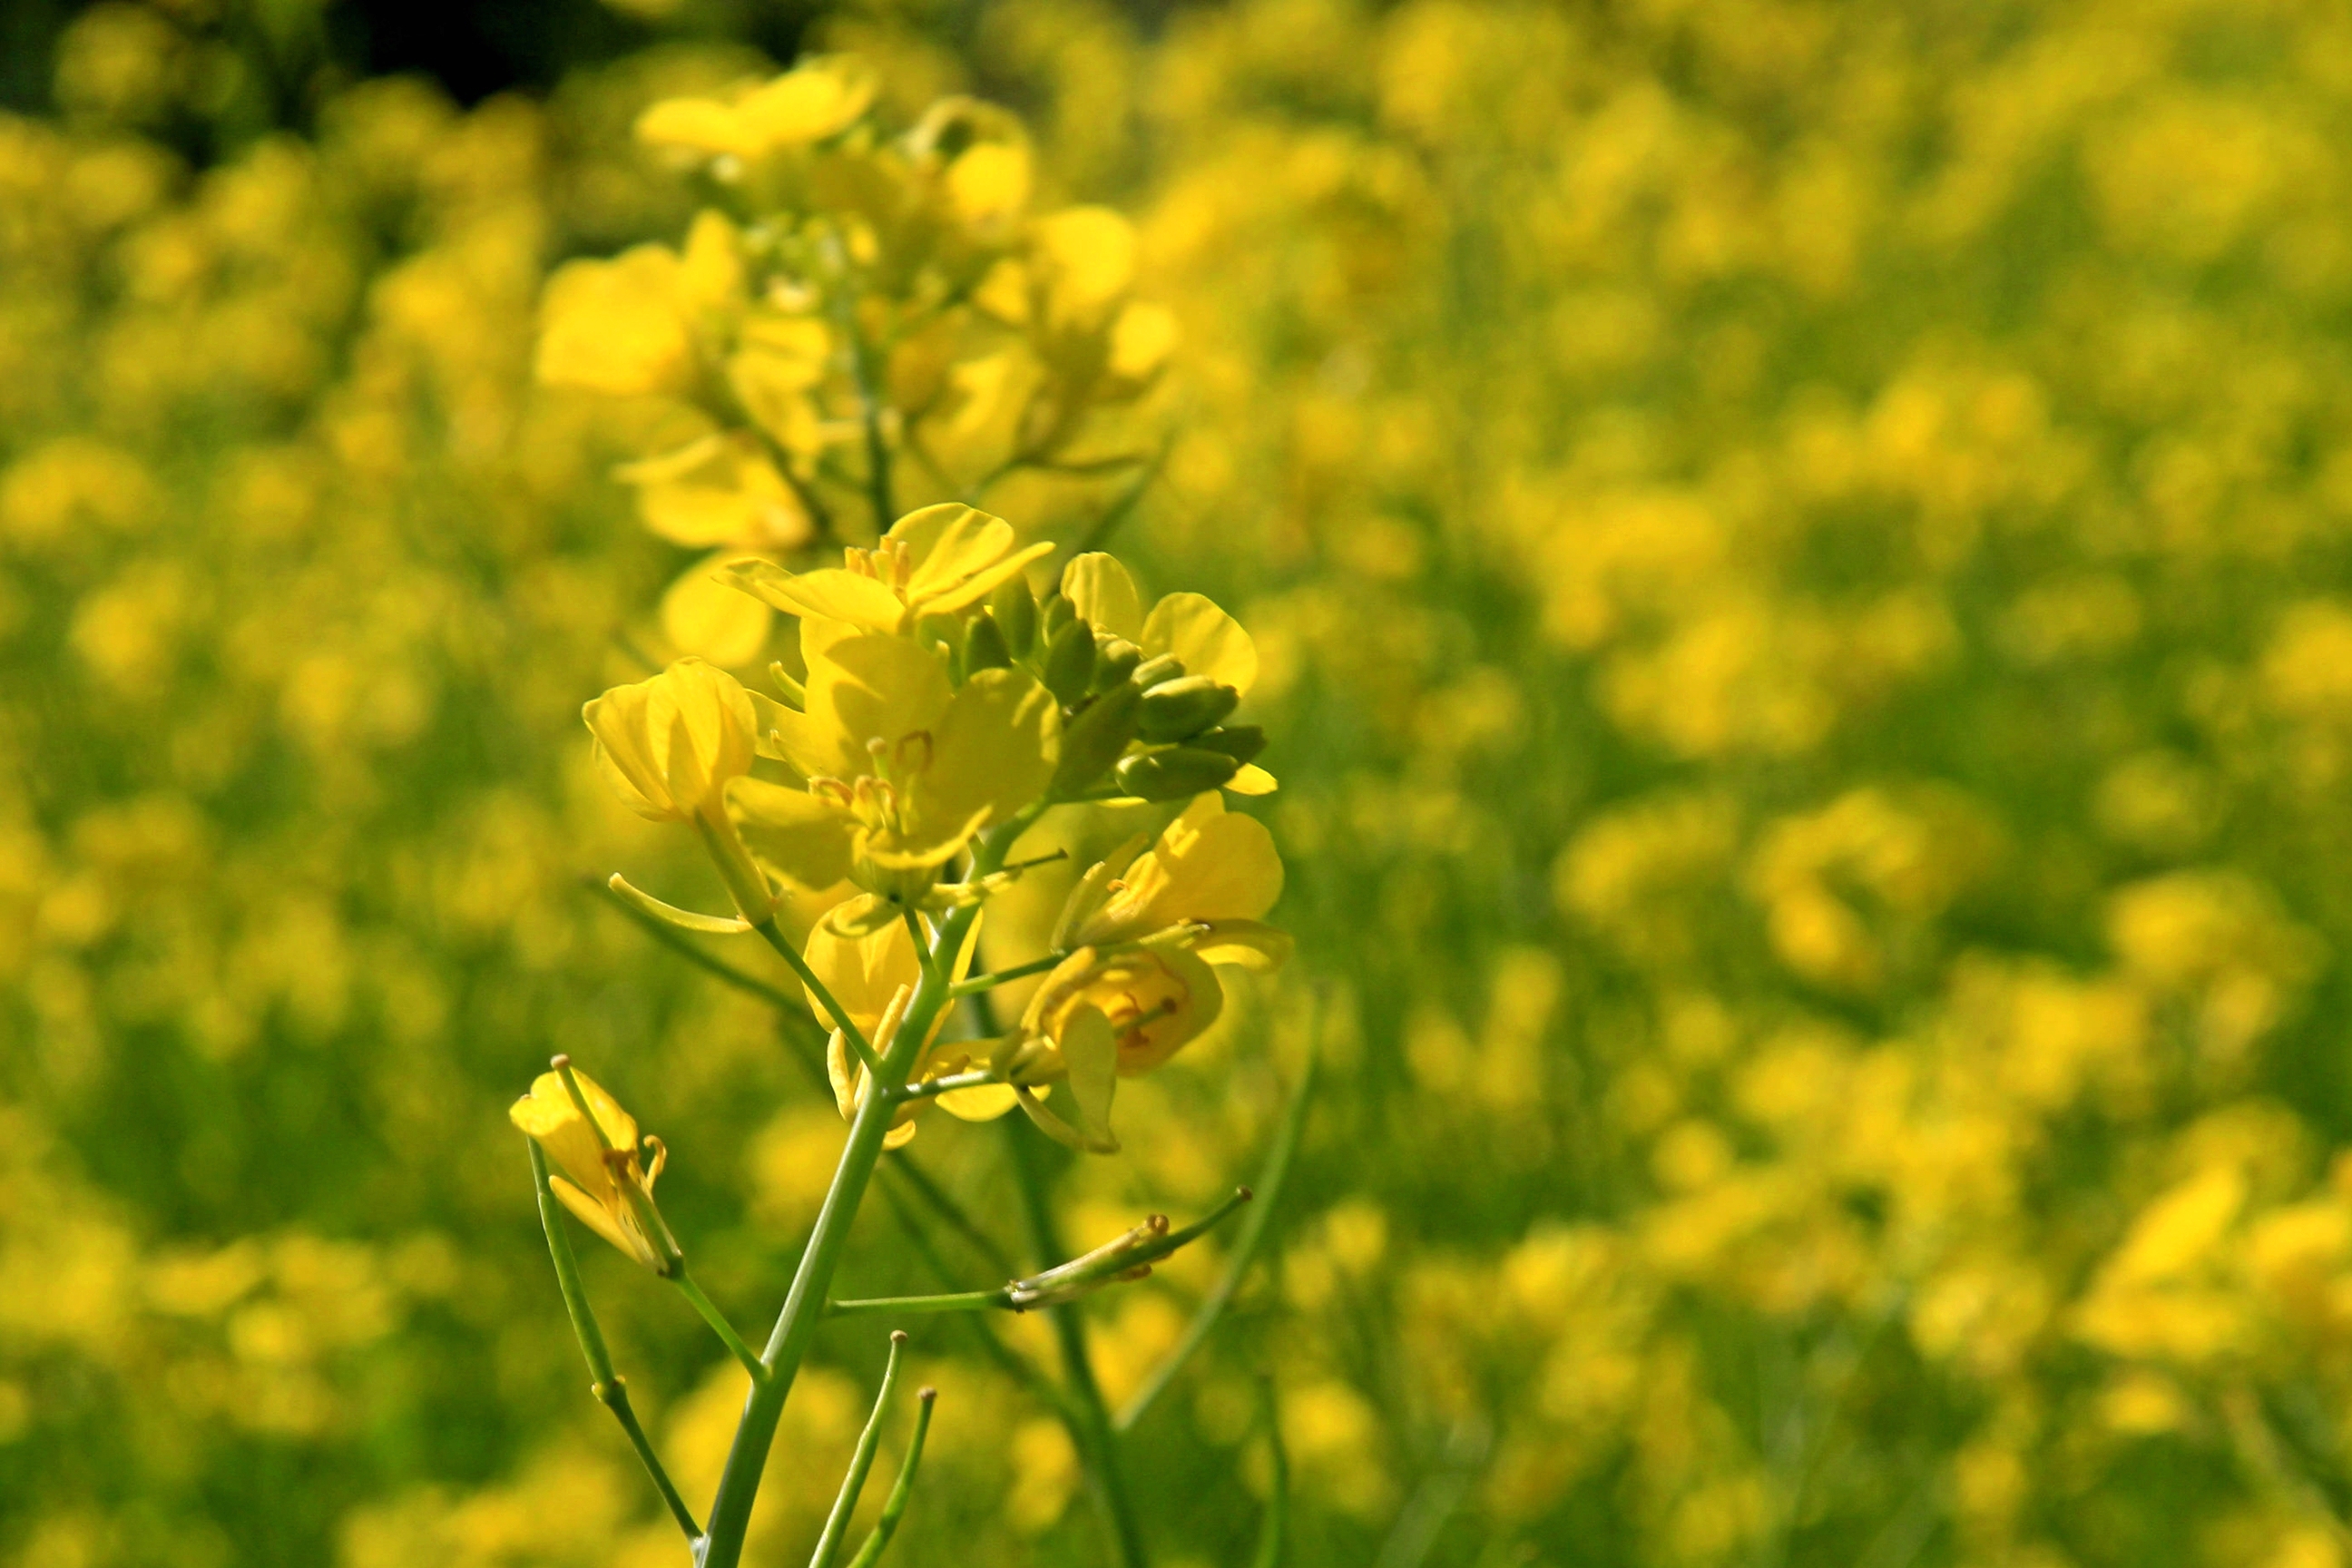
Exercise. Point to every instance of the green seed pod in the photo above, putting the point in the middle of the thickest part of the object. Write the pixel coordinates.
(1115, 660)
(1093, 741)
(1152, 672)
(1176, 773)
(1181, 709)
(1014, 610)
(984, 647)
(1058, 613)
(1070, 662)
(1242, 743)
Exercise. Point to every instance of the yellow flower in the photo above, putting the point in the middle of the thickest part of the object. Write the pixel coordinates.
(872, 972)
(607, 1182)
(1145, 926)
(629, 326)
(1189, 626)
(815, 100)
(669, 746)
(720, 490)
(936, 560)
(902, 770)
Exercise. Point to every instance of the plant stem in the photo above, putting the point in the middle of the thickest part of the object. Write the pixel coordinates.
(1253, 1230)
(776, 939)
(719, 1325)
(869, 403)
(1097, 1444)
(861, 1462)
(932, 1088)
(606, 1384)
(1274, 1530)
(980, 982)
(894, 1506)
(803, 1309)
(957, 1301)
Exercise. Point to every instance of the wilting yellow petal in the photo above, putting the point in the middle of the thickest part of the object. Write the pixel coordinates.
(1091, 1053)
(1208, 640)
(606, 1221)
(1100, 590)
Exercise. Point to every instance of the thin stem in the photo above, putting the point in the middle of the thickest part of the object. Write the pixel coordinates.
(606, 1384)
(1245, 1246)
(869, 403)
(932, 1087)
(775, 935)
(958, 1302)
(894, 1507)
(1091, 1428)
(720, 1326)
(920, 939)
(861, 1461)
(980, 982)
(1274, 1529)
(803, 1307)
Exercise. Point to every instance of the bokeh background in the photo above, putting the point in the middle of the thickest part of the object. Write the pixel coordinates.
(1803, 553)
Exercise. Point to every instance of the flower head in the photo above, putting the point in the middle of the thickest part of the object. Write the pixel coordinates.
(817, 100)
(937, 560)
(902, 769)
(668, 745)
(608, 1171)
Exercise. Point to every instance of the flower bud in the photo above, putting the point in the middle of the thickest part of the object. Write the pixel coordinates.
(1115, 659)
(1014, 611)
(1176, 773)
(1177, 710)
(1070, 661)
(1152, 672)
(1093, 741)
(984, 647)
(1242, 743)
(1058, 613)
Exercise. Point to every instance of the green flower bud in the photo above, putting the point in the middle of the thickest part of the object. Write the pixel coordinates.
(1014, 611)
(1115, 659)
(1242, 743)
(984, 647)
(1059, 613)
(1070, 661)
(1177, 773)
(1180, 708)
(1094, 740)
(1152, 672)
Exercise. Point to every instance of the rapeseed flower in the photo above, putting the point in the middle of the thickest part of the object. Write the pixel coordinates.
(936, 560)
(608, 1171)
(669, 746)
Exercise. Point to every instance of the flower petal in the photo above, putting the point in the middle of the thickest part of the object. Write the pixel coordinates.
(831, 592)
(1209, 641)
(993, 749)
(800, 838)
(1100, 590)
(704, 615)
(1091, 1053)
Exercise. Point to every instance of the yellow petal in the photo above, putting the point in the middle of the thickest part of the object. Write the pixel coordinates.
(981, 584)
(1092, 1056)
(842, 1071)
(830, 591)
(1100, 590)
(548, 1114)
(710, 272)
(801, 838)
(604, 1220)
(817, 99)
(876, 687)
(719, 489)
(699, 726)
(1088, 255)
(614, 326)
(1245, 944)
(1253, 780)
(1208, 865)
(702, 614)
(701, 125)
(949, 543)
(989, 183)
(985, 1103)
(1208, 640)
(992, 750)
(864, 973)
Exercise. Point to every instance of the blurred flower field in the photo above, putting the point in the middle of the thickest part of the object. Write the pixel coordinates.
(1801, 562)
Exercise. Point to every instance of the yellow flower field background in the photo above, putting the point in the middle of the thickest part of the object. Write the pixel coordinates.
(1800, 558)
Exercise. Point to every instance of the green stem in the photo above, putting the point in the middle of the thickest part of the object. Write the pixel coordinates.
(1097, 1444)
(776, 939)
(980, 982)
(803, 1309)
(1245, 1246)
(719, 1325)
(1274, 1530)
(894, 1507)
(606, 1384)
(932, 1088)
(862, 373)
(958, 1302)
(861, 1461)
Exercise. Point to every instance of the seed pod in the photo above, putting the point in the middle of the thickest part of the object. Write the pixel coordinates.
(1181, 709)
(1242, 743)
(1058, 613)
(1115, 659)
(984, 647)
(1093, 741)
(1176, 773)
(1070, 662)
(1152, 672)
(1015, 614)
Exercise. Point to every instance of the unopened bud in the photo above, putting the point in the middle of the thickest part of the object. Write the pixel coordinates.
(984, 647)
(1094, 740)
(1070, 663)
(940, 632)
(1242, 743)
(1058, 613)
(1115, 659)
(1152, 672)
(1180, 708)
(1175, 773)
(1014, 611)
